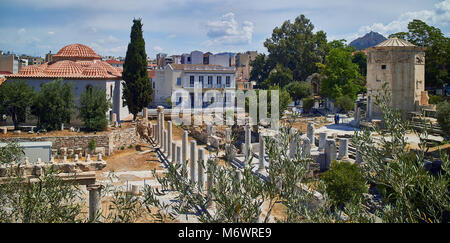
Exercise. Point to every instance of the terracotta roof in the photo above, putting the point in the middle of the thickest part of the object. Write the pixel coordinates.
(84, 63)
(2, 80)
(95, 70)
(70, 69)
(31, 69)
(112, 61)
(151, 73)
(394, 42)
(77, 51)
(64, 67)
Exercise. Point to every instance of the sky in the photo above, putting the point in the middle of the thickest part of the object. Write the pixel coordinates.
(35, 27)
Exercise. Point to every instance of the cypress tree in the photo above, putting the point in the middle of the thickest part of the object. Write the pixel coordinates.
(137, 92)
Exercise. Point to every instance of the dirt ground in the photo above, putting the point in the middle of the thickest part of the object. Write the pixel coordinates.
(301, 124)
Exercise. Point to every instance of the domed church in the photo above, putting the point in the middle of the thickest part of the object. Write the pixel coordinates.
(81, 66)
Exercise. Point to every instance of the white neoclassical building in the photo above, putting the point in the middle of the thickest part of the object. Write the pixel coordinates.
(81, 66)
(189, 76)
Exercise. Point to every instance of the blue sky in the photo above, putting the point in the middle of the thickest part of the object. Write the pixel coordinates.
(34, 27)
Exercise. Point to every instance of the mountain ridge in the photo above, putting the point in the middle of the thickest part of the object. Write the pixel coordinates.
(368, 40)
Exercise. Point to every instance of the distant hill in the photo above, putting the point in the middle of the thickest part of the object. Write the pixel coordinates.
(369, 40)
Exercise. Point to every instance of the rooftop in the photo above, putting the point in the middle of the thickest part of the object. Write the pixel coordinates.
(75, 61)
(77, 51)
(201, 67)
(394, 42)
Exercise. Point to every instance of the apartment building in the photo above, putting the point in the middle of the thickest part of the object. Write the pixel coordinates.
(187, 77)
(10, 63)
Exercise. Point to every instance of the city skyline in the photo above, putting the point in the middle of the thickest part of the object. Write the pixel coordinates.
(176, 27)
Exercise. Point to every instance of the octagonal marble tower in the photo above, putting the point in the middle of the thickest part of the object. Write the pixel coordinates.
(402, 65)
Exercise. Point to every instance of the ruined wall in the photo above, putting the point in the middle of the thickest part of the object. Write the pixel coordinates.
(112, 141)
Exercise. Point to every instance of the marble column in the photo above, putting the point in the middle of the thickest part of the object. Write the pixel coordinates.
(164, 146)
(322, 140)
(94, 201)
(248, 136)
(201, 169)
(178, 157)
(262, 152)
(193, 161)
(184, 147)
(169, 138)
(145, 113)
(310, 133)
(228, 135)
(172, 152)
(330, 152)
(343, 148)
(293, 143)
(306, 147)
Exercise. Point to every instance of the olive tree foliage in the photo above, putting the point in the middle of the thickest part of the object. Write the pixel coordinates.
(44, 199)
(12, 151)
(443, 116)
(410, 192)
(253, 198)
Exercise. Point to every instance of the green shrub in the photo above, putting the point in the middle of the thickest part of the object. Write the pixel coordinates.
(308, 103)
(54, 104)
(93, 108)
(344, 182)
(345, 103)
(443, 116)
(92, 144)
(436, 99)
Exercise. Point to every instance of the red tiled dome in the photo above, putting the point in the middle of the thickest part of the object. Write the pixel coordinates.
(95, 70)
(64, 68)
(85, 63)
(31, 70)
(76, 52)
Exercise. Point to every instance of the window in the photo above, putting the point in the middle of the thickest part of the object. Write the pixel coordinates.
(191, 81)
(200, 79)
(210, 78)
(219, 80)
(153, 85)
(89, 88)
(383, 67)
(228, 81)
(179, 81)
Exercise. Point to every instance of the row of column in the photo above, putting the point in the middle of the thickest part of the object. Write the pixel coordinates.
(179, 154)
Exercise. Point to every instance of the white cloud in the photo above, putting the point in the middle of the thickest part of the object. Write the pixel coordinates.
(228, 31)
(21, 31)
(113, 50)
(440, 15)
(50, 32)
(110, 39)
(157, 49)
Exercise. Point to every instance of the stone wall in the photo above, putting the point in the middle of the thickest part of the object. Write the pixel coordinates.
(112, 141)
(122, 137)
